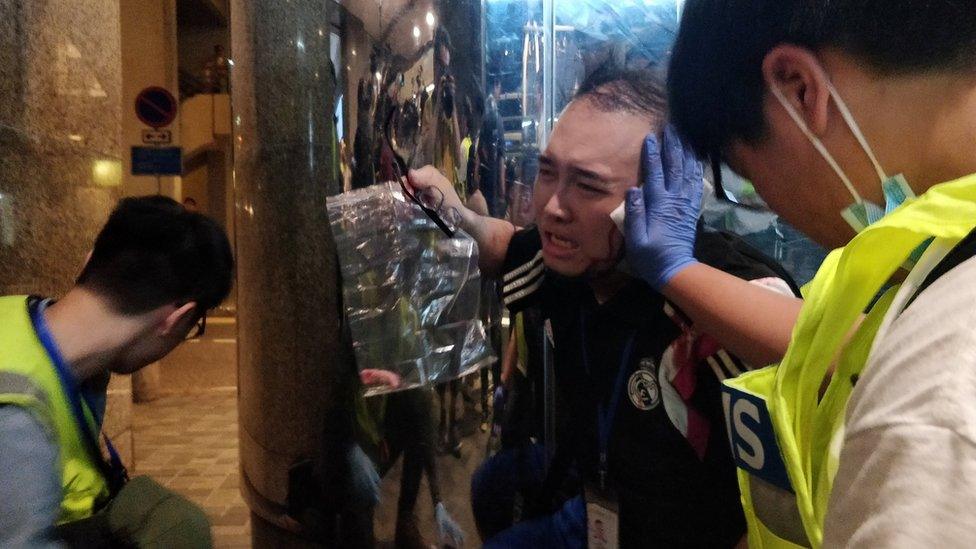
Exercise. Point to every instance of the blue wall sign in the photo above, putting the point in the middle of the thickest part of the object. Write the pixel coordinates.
(157, 161)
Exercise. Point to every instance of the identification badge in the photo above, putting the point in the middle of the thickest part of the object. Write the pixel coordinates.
(602, 518)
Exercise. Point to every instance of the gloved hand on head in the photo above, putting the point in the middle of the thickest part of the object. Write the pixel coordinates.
(662, 217)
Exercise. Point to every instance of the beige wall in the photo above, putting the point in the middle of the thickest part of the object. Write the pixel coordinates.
(195, 184)
(149, 58)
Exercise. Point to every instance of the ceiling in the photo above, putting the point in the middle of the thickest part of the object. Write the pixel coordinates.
(202, 13)
(395, 21)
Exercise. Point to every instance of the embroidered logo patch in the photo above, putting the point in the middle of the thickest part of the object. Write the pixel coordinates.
(643, 389)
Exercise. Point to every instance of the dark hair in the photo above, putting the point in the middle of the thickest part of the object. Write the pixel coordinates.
(152, 251)
(715, 84)
(612, 88)
(442, 39)
(190, 200)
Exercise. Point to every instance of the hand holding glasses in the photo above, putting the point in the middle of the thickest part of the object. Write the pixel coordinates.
(400, 131)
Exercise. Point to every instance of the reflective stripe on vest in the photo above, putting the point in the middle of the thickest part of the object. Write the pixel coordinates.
(11, 383)
(28, 379)
(778, 413)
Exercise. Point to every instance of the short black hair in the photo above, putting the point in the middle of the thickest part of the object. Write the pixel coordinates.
(442, 39)
(715, 82)
(612, 88)
(153, 251)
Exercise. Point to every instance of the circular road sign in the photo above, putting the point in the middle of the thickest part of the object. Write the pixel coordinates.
(156, 107)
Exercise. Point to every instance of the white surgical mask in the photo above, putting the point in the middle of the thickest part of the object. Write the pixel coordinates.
(861, 213)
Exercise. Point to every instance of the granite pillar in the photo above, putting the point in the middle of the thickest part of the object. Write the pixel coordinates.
(60, 157)
(287, 296)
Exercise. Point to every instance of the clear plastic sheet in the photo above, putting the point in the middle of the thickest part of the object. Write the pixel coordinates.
(411, 295)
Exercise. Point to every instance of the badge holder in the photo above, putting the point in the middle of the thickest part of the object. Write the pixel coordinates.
(602, 512)
(602, 505)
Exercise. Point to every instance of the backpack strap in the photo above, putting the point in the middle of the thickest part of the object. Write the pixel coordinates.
(963, 251)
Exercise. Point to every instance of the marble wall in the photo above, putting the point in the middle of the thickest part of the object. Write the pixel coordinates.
(287, 309)
(60, 157)
(60, 163)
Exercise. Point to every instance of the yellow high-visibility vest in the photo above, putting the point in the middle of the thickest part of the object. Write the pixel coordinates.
(29, 379)
(786, 440)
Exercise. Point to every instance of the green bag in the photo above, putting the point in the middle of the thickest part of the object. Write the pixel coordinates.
(142, 514)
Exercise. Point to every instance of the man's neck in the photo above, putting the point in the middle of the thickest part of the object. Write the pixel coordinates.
(607, 285)
(87, 333)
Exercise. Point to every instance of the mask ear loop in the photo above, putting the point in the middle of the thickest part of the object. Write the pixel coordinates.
(856, 130)
(817, 144)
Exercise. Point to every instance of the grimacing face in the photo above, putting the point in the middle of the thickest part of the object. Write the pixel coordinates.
(593, 157)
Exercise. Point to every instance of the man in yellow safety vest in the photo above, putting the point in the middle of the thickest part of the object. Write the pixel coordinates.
(856, 122)
(155, 269)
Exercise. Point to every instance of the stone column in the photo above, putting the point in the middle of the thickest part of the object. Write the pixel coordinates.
(60, 158)
(287, 301)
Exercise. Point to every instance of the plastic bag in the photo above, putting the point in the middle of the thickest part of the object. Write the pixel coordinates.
(411, 295)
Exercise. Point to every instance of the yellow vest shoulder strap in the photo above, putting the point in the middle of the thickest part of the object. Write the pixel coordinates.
(29, 379)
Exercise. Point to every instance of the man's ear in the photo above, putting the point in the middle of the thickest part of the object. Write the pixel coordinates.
(799, 75)
(174, 318)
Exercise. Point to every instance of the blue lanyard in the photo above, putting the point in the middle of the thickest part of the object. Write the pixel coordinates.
(606, 412)
(70, 387)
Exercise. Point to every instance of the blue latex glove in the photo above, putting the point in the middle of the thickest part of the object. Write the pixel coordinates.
(662, 217)
(450, 533)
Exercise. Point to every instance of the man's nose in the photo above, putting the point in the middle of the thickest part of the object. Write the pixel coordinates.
(557, 207)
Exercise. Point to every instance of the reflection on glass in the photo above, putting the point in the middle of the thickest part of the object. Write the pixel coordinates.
(730, 203)
(589, 33)
(412, 94)
(514, 89)
(462, 85)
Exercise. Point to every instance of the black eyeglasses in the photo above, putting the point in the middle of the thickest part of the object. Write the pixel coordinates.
(199, 328)
(431, 199)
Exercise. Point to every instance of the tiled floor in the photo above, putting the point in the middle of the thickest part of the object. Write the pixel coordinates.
(187, 440)
(204, 363)
(189, 444)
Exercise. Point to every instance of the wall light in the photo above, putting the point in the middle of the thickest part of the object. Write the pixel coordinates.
(107, 173)
(430, 19)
